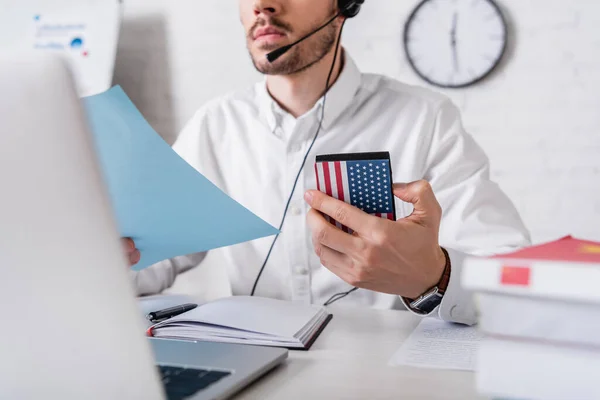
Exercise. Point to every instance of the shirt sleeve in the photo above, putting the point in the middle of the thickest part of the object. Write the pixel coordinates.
(161, 276)
(478, 218)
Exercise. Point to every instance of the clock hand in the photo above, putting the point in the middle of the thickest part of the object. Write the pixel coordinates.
(453, 41)
(454, 23)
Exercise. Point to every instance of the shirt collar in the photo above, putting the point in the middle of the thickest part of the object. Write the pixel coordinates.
(339, 97)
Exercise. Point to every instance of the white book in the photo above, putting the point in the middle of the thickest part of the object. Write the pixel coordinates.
(535, 371)
(567, 269)
(539, 319)
(247, 320)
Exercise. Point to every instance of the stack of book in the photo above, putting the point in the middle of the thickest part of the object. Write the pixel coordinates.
(540, 311)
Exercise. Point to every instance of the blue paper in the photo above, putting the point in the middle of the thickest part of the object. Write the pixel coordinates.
(160, 201)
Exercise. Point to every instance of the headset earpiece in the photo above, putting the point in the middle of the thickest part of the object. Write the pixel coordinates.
(350, 8)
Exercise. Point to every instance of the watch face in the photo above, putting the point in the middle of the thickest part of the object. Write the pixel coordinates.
(428, 303)
(455, 43)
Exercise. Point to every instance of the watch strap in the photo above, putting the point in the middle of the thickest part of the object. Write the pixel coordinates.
(445, 279)
(433, 297)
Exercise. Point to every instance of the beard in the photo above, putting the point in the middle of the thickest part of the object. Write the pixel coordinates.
(298, 58)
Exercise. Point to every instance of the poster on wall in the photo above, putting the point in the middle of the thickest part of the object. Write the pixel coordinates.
(84, 31)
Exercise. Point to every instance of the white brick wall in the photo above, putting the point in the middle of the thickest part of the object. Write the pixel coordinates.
(537, 118)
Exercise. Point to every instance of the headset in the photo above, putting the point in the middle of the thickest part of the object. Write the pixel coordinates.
(347, 9)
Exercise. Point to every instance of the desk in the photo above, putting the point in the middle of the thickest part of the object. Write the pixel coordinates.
(349, 361)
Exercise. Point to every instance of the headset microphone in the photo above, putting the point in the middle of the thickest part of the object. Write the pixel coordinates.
(275, 54)
(348, 9)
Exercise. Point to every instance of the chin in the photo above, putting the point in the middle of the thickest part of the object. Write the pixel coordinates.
(260, 62)
(285, 65)
(265, 68)
(259, 59)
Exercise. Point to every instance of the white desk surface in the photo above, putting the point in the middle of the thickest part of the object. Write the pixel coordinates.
(349, 361)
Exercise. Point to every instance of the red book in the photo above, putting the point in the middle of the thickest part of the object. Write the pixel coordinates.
(567, 269)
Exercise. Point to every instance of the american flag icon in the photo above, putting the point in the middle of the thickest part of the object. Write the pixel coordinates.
(364, 184)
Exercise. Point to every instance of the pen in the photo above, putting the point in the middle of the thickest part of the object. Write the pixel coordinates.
(170, 312)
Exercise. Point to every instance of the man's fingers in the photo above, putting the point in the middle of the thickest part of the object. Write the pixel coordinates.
(328, 235)
(134, 257)
(340, 211)
(128, 245)
(331, 258)
(421, 195)
(338, 263)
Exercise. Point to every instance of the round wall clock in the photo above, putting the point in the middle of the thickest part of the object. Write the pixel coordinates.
(455, 43)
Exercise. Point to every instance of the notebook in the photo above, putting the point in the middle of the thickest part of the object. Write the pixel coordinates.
(247, 320)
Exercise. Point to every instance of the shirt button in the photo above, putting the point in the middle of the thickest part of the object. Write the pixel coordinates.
(295, 211)
(300, 270)
(295, 148)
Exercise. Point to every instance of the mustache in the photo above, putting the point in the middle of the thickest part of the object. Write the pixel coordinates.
(271, 21)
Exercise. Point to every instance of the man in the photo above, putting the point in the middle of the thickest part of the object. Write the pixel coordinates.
(252, 143)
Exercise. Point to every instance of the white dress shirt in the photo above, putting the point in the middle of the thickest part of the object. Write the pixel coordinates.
(252, 149)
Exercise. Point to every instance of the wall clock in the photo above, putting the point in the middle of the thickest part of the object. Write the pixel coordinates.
(455, 43)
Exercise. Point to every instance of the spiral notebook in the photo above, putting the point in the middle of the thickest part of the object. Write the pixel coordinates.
(248, 320)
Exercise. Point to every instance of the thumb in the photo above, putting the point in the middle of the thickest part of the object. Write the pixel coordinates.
(427, 210)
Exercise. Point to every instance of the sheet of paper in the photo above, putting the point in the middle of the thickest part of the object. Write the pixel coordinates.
(438, 344)
(160, 201)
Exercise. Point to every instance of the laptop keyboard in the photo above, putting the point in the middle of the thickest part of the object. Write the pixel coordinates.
(183, 383)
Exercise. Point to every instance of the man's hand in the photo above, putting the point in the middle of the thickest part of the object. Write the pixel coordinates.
(398, 257)
(131, 253)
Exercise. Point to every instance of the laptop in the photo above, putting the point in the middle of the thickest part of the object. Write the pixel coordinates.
(71, 327)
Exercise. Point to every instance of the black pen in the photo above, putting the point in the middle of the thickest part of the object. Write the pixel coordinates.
(170, 312)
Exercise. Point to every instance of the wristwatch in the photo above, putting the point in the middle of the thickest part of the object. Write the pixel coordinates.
(427, 302)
